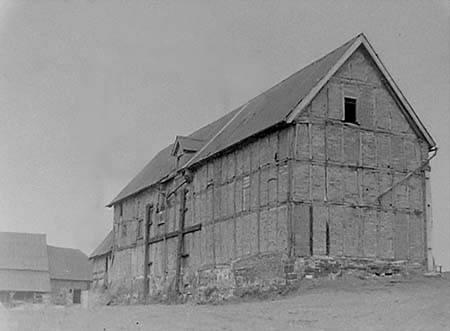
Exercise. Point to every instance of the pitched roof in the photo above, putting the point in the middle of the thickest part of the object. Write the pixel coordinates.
(69, 264)
(24, 262)
(273, 106)
(23, 251)
(105, 246)
(163, 163)
(280, 104)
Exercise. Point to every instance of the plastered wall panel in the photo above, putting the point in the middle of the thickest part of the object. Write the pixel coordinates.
(370, 235)
(335, 101)
(382, 113)
(283, 146)
(383, 144)
(282, 228)
(416, 237)
(320, 216)
(411, 155)
(397, 155)
(283, 184)
(337, 230)
(302, 146)
(369, 154)
(385, 248)
(366, 106)
(401, 243)
(351, 226)
(336, 183)
(301, 228)
(319, 104)
(351, 146)
(318, 141)
(350, 185)
(318, 182)
(334, 143)
(301, 181)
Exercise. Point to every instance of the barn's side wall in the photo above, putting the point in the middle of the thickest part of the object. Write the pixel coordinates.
(340, 169)
(240, 200)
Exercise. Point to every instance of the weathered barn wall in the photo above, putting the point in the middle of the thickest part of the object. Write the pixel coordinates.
(340, 170)
(233, 196)
(100, 264)
(240, 200)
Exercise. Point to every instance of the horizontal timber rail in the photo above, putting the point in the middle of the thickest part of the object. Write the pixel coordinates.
(173, 234)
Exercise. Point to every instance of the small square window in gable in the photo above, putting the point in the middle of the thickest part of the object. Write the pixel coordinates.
(350, 105)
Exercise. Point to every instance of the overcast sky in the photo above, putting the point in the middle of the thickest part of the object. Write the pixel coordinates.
(91, 90)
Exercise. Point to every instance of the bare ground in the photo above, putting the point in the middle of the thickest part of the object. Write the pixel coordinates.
(418, 303)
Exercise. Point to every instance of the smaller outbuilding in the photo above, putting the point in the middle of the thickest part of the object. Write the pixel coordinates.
(31, 271)
(70, 274)
(24, 267)
(101, 259)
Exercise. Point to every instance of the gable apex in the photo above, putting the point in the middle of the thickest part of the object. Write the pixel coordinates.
(361, 41)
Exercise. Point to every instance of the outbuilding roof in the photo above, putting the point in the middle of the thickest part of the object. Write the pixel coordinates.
(69, 264)
(23, 251)
(280, 104)
(105, 246)
(24, 262)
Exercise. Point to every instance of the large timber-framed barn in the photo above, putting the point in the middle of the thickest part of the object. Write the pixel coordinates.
(331, 164)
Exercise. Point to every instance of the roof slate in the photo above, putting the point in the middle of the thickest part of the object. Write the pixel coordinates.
(69, 264)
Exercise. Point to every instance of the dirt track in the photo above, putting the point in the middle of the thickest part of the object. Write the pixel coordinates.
(389, 304)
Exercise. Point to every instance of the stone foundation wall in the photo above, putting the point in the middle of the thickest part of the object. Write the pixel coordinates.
(271, 272)
(257, 274)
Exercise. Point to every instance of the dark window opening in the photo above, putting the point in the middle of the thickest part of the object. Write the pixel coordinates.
(149, 221)
(139, 228)
(124, 230)
(77, 296)
(120, 209)
(350, 110)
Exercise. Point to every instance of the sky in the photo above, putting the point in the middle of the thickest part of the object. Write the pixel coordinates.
(91, 90)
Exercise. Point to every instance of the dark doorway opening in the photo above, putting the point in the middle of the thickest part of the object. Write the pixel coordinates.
(76, 296)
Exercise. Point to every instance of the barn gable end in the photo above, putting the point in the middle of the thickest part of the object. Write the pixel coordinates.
(342, 171)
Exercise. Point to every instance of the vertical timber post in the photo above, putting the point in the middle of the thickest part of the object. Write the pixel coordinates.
(148, 212)
(180, 247)
(292, 137)
(429, 224)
